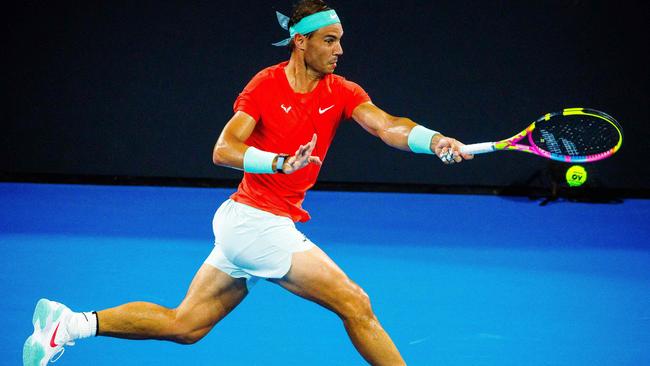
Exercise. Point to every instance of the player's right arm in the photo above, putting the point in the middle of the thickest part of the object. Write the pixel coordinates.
(230, 149)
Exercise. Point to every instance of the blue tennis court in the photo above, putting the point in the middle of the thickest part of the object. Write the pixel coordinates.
(455, 279)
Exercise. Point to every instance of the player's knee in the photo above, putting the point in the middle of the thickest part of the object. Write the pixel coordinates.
(357, 306)
(184, 331)
(188, 338)
(186, 334)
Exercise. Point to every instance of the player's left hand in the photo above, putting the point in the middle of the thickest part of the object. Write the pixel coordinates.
(448, 149)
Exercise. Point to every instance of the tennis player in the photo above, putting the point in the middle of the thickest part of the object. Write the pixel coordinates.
(284, 121)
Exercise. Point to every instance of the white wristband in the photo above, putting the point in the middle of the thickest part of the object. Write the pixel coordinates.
(419, 140)
(258, 161)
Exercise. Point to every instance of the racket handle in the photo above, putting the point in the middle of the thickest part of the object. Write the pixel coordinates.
(481, 148)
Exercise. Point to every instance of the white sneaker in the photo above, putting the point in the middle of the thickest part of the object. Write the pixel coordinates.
(46, 343)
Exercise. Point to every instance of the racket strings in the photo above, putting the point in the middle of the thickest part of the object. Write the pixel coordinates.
(576, 136)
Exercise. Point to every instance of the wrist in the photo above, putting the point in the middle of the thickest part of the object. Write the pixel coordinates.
(422, 140)
(258, 161)
(279, 162)
(434, 141)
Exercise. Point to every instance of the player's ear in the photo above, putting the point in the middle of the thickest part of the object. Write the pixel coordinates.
(299, 41)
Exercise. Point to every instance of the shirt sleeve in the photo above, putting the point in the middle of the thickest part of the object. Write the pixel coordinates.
(354, 95)
(248, 100)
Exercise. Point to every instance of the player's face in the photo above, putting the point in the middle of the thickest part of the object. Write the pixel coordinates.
(323, 49)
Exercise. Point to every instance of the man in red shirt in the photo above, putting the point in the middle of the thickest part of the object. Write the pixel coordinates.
(284, 122)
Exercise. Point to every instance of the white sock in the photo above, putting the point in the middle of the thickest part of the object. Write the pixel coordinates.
(82, 325)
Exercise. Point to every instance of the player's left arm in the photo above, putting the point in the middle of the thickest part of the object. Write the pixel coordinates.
(394, 131)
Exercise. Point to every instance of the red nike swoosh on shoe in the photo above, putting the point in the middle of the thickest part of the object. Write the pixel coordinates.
(52, 344)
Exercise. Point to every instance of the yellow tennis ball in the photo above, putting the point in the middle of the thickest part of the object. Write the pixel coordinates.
(576, 176)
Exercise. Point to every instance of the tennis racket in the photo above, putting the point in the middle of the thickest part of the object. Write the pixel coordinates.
(575, 135)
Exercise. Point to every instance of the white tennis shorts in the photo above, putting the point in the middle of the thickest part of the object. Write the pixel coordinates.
(251, 243)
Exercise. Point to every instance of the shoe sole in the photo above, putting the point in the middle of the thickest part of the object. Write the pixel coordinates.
(33, 352)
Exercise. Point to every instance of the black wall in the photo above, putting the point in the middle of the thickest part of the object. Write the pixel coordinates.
(144, 88)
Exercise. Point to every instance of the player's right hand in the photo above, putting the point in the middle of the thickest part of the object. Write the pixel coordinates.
(302, 158)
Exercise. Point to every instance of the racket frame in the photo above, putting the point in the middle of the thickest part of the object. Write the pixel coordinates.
(512, 143)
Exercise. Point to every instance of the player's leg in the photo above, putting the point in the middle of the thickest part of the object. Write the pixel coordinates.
(211, 296)
(217, 288)
(314, 276)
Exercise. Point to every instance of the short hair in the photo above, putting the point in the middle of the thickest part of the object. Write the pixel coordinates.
(304, 8)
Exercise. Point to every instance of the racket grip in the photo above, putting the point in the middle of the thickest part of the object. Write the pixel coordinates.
(481, 148)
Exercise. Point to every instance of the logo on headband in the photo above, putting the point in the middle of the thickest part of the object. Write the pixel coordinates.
(307, 24)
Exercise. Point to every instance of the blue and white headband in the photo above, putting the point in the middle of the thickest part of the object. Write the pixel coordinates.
(307, 24)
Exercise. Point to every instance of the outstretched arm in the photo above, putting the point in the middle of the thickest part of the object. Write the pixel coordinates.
(231, 150)
(394, 131)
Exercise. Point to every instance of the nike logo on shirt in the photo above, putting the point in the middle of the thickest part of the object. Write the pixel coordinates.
(286, 109)
(323, 110)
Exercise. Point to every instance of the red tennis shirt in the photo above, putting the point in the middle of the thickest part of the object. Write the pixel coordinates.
(286, 120)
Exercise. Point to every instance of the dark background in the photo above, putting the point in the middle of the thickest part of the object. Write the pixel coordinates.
(143, 89)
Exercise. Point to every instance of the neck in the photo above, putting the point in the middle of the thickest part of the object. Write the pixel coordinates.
(301, 77)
